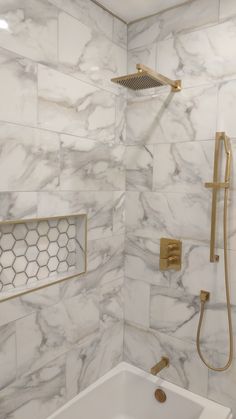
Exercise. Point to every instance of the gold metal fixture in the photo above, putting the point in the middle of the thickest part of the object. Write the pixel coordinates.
(215, 185)
(204, 296)
(160, 395)
(146, 78)
(19, 292)
(170, 254)
(220, 139)
(164, 362)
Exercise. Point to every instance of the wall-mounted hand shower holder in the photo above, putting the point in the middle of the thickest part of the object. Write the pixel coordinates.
(216, 185)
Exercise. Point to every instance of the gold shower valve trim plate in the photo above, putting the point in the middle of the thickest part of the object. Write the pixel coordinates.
(170, 254)
(146, 78)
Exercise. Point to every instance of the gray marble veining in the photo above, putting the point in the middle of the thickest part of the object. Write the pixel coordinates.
(32, 29)
(93, 58)
(86, 363)
(137, 302)
(143, 55)
(144, 347)
(119, 213)
(44, 335)
(172, 118)
(89, 165)
(7, 355)
(184, 58)
(89, 13)
(111, 301)
(166, 23)
(223, 390)
(120, 33)
(18, 205)
(68, 105)
(227, 97)
(18, 89)
(97, 205)
(183, 167)
(105, 260)
(41, 392)
(139, 168)
(29, 158)
(184, 215)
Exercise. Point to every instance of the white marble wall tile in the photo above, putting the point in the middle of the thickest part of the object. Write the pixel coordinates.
(120, 126)
(173, 117)
(183, 57)
(97, 205)
(226, 103)
(29, 158)
(24, 305)
(71, 106)
(143, 33)
(18, 82)
(18, 205)
(119, 212)
(89, 165)
(44, 335)
(93, 57)
(144, 348)
(227, 9)
(183, 167)
(36, 394)
(186, 216)
(32, 29)
(222, 388)
(7, 355)
(143, 55)
(142, 261)
(198, 273)
(137, 300)
(106, 260)
(111, 301)
(187, 16)
(120, 32)
(89, 13)
(88, 362)
(139, 168)
(181, 312)
(181, 319)
(153, 215)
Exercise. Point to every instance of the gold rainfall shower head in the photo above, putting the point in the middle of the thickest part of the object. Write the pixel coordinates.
(145, 78)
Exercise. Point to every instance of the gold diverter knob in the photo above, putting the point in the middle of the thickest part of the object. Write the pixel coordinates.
(170, 254)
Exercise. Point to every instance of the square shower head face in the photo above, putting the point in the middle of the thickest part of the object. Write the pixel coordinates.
(138, 81)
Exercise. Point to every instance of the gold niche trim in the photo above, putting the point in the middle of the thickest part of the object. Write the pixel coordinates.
(11, 294)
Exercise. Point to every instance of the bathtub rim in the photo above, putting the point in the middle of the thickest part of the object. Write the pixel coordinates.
(223, 412)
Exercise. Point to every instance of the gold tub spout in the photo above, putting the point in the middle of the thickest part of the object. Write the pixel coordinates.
(164, 362)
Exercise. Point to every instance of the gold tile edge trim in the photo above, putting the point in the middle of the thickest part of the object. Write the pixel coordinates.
(16, 293)
(31, 220)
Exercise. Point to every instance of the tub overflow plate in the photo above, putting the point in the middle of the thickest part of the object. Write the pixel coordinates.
(160, 395)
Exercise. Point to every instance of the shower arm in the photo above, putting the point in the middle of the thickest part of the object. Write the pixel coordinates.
(215, 185)
(175, 84)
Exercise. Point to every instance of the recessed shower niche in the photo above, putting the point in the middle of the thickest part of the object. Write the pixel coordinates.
(39, 252)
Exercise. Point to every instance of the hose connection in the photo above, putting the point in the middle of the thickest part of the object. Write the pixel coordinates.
(204, 296)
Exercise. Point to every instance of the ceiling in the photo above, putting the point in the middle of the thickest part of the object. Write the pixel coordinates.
(130, 10)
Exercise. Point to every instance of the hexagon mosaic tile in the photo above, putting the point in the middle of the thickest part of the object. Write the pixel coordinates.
(32, 251)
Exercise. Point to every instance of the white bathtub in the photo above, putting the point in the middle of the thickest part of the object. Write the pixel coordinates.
(128, 393)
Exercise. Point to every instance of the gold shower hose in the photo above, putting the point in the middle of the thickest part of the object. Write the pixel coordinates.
(204, 296)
